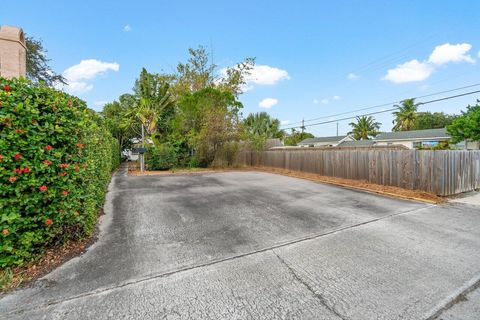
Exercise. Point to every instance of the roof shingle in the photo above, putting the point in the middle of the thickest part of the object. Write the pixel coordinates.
(414, 134)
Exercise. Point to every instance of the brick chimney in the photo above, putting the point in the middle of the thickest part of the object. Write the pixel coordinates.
(13, 52)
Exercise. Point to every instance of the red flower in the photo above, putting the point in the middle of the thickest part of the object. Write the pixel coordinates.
(17, 170)
(17, 156)
(63, 165)
(6, 88)
(62, 174)
(47, 162)
(80, 145)
(43, 188)
(76, 168)
(26, 170)
(48, 147)
(48, 222)
(1, 157)
(65, 193)
(12, 179)
(5, 232)
(20, 131)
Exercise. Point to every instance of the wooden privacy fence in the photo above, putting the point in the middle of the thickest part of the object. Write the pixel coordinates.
(442, 172)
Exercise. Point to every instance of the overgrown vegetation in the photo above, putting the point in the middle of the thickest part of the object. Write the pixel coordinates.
(467, 126)
(56, 158)
(192, 117)
(261, 126)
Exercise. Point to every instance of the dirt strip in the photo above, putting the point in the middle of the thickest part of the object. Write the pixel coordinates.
(391, 191)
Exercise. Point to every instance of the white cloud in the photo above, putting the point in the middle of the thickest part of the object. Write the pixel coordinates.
(352, 76)
(266, 75)
(267, 103)
(259, 75)
(77, 75)
(79, 87)
(324, 101)
(127, 28)
(336, 98)
(412, 70)
(88, 69)
(415, 70)
(285, 122)
(447, 52)
(315, 101)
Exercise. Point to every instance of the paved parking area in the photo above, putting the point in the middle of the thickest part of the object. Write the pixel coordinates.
(252, 245)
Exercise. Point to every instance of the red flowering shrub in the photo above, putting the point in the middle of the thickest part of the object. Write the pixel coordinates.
(53, 176)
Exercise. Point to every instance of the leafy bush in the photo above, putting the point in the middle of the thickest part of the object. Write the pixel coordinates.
(161, 157)
(56, 160)
(226, 156)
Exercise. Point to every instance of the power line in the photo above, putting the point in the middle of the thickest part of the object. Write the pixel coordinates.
(385, 104)
(383, 111)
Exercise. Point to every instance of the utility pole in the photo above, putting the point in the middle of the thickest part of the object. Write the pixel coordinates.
(337, 128)
(142, 159)
(303, 125)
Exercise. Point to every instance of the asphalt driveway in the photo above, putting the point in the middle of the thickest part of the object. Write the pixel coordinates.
(251, 245)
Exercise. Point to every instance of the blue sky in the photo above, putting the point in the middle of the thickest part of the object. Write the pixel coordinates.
(306, 50)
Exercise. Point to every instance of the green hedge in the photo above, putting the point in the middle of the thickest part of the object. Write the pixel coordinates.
(56, 160)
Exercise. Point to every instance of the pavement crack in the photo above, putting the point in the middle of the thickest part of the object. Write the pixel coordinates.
(299, 279)
(153, 277)
(456, 299)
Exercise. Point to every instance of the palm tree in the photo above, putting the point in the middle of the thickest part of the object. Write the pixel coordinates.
(405, 116)
(262, 124)
(364, 128)
(152, 99)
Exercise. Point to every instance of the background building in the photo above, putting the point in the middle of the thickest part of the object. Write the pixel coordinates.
(13, 52)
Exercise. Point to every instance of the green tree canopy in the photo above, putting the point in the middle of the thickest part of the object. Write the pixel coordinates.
(152, 102)
(191, 115)
(113, 114)
(259, 127)
(405, 116)
(199, 72)
(38, 69)
(262, 124)
(364, 128)
(295, 137)
(429, 120)
(209, 120)
(466, 126)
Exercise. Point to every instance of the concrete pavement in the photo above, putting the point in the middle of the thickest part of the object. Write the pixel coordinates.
(252, 245)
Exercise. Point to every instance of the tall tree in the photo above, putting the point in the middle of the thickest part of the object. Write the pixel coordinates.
(199, 72)
(296, 136)
(466, 126)
(152, 101)
(405, 116)
(208, 119)
(259, 127)
(38, 69)
(435, 120)
(364, 128)
(114, 113)
(262, 124)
